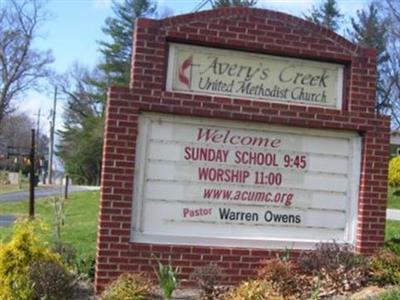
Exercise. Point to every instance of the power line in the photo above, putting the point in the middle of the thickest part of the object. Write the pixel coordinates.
(201, 5)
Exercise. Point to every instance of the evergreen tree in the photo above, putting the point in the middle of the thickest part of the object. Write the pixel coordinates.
(370, 30)
(327, 15)
(230, 3)
(81, 140)
(116, 61)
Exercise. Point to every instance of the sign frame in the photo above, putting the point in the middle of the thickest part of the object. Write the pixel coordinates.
(172, 66)
(137, 234)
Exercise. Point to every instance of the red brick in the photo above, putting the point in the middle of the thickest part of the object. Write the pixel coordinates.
(264, 32)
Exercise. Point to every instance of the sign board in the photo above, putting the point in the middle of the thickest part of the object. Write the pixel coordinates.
(232, 183)
(203, 70)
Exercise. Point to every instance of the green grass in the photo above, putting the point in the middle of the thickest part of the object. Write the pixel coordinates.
(9, 188)
(392, 236)
(393, 294)
(80, 226)
(393, 200)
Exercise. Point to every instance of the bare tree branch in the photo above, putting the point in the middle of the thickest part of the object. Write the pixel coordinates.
(21, 66)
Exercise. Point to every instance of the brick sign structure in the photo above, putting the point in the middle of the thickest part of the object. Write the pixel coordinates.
(243, 132)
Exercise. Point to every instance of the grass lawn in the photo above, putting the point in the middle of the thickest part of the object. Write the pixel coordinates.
(80, 220)
(392, 237)
(393, 200)
(392, 230)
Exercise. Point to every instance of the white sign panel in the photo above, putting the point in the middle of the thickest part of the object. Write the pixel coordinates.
(228, 183)
(203, 70)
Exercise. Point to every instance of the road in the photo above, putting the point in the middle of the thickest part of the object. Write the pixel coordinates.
(42, 192)
(393, 214)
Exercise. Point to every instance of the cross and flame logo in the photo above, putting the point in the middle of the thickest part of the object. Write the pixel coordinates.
(183, 77)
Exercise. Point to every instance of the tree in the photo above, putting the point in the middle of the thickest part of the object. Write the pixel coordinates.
(327, 15)
(230, 3)
(370, 31)
(390, 75)
(21, 65)
(81, 140)
(116, 61)
(15, 132)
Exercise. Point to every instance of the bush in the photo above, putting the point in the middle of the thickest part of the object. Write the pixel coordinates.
(16, 259)
(208, 278)
(67, 253)
(284, 277)
(385, 268)
(51, 280)
(4, 178)
(328, 256)
(336, 269)
(128, 287)
(394, 172)
(253, 290)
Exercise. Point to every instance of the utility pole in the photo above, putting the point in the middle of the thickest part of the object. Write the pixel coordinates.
(32, 177)
(51, 144)
(39, 115)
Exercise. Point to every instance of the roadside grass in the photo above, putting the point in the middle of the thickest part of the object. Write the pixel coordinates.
(10, 188)
(393, 198)
(80, 225)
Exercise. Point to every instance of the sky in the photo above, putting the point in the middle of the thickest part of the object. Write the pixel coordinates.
(74, 27)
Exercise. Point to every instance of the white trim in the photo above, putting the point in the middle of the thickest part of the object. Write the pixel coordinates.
(137, 234)
(339, 93)
(171, 74)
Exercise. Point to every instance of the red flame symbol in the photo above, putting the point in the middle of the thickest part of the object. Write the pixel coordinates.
(182, 69)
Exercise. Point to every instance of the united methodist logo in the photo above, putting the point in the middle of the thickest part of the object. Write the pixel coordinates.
(185, 72)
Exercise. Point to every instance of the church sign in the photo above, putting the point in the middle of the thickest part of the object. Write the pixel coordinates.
(243, 132)
(203, 70)
(224, 183)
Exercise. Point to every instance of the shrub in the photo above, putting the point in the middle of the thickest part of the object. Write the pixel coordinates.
(385, 268)
(253, 290)
(335, 269)
(328, 256)
(67, 252)
(51, 280)
(394, 172)
(128, 287)
(4, 178)
(284, 277)
(167, 278)
(208, 278)
(16, 258)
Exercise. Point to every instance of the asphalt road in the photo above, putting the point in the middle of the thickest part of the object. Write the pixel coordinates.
(393, 214)
(41, 192)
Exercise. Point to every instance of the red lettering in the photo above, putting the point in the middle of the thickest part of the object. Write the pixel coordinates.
(276, 143)
(187, 153)
(224, 137)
